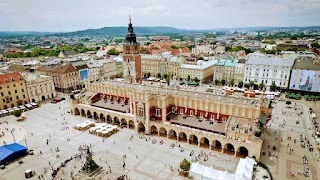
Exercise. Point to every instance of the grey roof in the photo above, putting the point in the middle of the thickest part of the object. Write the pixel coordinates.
(190, 94)
(69, 53)
(271, 61)
(79, 65)
(306, 64)
(199, 123)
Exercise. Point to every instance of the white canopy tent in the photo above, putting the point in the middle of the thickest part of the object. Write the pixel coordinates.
(226, 176)
(196, 170)
(245, 169)
(210, 174)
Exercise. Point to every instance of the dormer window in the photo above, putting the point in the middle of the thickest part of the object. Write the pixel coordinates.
(12, 79)
(6, 80)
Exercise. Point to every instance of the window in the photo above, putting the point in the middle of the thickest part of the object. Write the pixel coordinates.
(201, 115)
(24, 96)
(8, 86)
(173, 109)
(158, 112)
(181, 111)
(0, 87)
(9, 92)
(15, 91)
(4, 100)
(2, 94)
(14, 85)
(191, 113)
(17, 97)
(10, 98)
(212, 117)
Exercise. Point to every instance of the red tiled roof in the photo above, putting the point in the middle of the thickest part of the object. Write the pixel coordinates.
(10, 77)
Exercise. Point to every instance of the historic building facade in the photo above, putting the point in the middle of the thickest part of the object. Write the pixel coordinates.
(220, 123)
(39, 87)
(13, 90)
(65, 78)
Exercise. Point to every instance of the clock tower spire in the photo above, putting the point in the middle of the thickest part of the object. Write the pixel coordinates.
(131, 57)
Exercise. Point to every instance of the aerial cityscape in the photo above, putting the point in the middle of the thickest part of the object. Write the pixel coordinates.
(160, 90)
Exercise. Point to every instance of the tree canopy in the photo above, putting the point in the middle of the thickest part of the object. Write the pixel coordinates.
(185, 165)
(113, 51)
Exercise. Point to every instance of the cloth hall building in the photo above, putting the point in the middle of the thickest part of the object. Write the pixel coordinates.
(220, 123)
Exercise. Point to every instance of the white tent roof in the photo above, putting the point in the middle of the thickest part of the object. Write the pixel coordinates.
(210, 174)
(196, 170)
(225, 176)
(241, 176)
(245, 168)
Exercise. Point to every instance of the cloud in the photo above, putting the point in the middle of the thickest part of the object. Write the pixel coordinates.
(70, 15)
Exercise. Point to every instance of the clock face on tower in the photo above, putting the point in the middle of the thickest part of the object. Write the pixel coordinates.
(128, 48)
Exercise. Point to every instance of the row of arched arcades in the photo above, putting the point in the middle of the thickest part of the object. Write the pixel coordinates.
(192, 139)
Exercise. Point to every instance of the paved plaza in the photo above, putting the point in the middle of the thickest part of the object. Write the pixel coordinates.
(144, 160)
(285, 129)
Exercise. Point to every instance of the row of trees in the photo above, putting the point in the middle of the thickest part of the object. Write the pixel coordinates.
(36, 52)
(251, 84)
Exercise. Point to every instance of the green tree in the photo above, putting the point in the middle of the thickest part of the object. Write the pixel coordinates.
(200, 58)
(315, 45)
(113, 51)
(223, 82)
(189, 78)
(174, 47)
(17, 113)
(288, 102)
(147, 43)
(148, 74)
(168, 80)
(248, 51)
(185, 165)
(261, 86)
(232, 82)
(158, 75)
(251, 83)
(228, 48)
(216, 82)
(165, 76)
(273, 87)
(196, 79)
(240, 84)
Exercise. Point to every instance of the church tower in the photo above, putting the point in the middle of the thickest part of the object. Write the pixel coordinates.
(131, 57)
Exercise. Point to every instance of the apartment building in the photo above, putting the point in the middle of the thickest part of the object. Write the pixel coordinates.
(65, 78)
(224, 69)
(268, 70)
(39, 87)
(13, 90)
(203, 71)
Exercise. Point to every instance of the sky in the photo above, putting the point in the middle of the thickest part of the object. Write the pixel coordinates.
(73, 15)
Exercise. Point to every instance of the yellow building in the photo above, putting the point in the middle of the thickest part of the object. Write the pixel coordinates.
(150, 64)
(13, 90)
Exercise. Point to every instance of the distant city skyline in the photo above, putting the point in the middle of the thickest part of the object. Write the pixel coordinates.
(71, 15)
